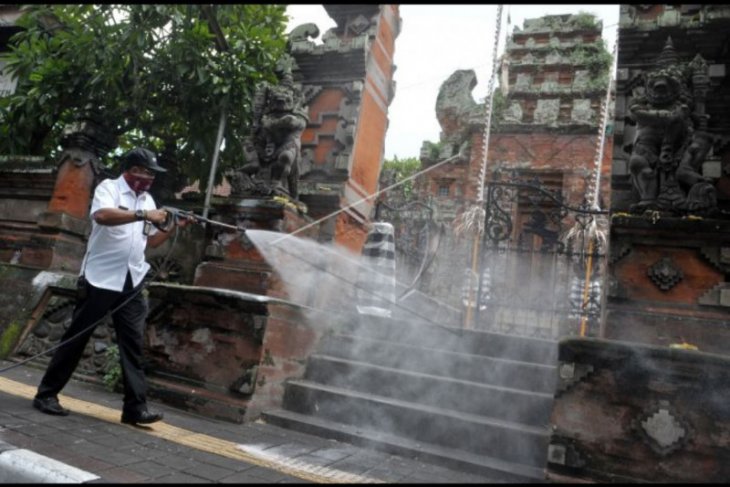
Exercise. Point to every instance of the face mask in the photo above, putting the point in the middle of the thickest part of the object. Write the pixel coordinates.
(139, 184)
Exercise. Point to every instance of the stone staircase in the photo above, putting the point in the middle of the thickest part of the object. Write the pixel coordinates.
(475, 401)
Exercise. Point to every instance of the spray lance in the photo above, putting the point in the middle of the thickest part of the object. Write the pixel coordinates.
(176, 214)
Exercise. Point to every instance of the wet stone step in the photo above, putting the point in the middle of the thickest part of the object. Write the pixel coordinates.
(476, 368)
(498, 470)
(474, 342)
(502, 440)
(432, 390)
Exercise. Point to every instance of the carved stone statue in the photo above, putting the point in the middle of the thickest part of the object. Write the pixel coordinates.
(273, 149)
(671, 141)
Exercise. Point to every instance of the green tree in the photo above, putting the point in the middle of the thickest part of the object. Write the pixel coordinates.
(401, 169)
(157, 74)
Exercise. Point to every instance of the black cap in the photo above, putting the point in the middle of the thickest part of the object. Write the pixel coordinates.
(139, 156)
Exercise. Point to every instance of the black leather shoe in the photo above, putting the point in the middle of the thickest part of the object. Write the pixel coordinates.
(50, 405)
(144, 417)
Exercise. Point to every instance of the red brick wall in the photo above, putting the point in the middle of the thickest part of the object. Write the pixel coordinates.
(572, 154)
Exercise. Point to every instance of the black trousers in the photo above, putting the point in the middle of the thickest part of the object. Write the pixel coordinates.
(128, 321)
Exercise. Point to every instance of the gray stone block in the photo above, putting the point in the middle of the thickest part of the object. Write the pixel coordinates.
(712, 169)
(725, 297)
(716, 71)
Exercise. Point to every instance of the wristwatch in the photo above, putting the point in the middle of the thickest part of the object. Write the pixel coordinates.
(140, 215)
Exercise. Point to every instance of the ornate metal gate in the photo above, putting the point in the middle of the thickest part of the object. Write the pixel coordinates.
(542, 265)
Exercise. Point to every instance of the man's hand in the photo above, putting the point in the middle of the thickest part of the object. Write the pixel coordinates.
(157, 217)
(161, 216)
(183, 220)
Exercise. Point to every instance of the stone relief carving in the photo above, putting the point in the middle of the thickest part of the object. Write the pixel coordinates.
(662, 428)
(665, 274)
(166, 269)
(348, 110)
(273, 149)
(358, 25)
(671, 140)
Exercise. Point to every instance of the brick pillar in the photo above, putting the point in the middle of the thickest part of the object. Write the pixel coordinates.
(63, 227)
(348, 87)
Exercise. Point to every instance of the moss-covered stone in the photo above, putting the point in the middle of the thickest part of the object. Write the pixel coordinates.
(21, 289)
(9, 338)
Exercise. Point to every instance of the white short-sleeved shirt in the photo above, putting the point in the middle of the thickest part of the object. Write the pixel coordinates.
(112, 250)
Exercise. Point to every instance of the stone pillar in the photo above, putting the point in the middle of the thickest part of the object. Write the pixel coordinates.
(669, 262)
(43, 235)
(643, 404)
(233, 262)
(376, 286)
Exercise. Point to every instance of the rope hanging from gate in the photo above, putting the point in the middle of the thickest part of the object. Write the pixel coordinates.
(472, 220)
(596, 181)
(591, 233)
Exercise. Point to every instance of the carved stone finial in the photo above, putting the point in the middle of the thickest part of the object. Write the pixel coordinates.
(455, 102)
(668, 56)
(304, 32)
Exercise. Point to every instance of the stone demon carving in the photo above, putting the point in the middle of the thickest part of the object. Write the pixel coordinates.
(273, 149)
(671, 140)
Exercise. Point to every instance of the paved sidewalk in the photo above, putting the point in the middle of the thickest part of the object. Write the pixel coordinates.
(184, 448)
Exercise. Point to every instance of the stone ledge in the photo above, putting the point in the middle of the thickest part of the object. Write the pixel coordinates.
(62, 221)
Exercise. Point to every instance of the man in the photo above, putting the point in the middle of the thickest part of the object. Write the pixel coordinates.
(114, 268)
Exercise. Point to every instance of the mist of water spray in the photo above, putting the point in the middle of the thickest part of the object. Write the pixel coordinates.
(325, 280)
(329, 281)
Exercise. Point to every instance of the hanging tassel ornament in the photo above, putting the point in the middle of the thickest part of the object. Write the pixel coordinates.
(589, 236)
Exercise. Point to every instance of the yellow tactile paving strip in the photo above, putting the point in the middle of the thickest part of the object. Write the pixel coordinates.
(199, 441)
